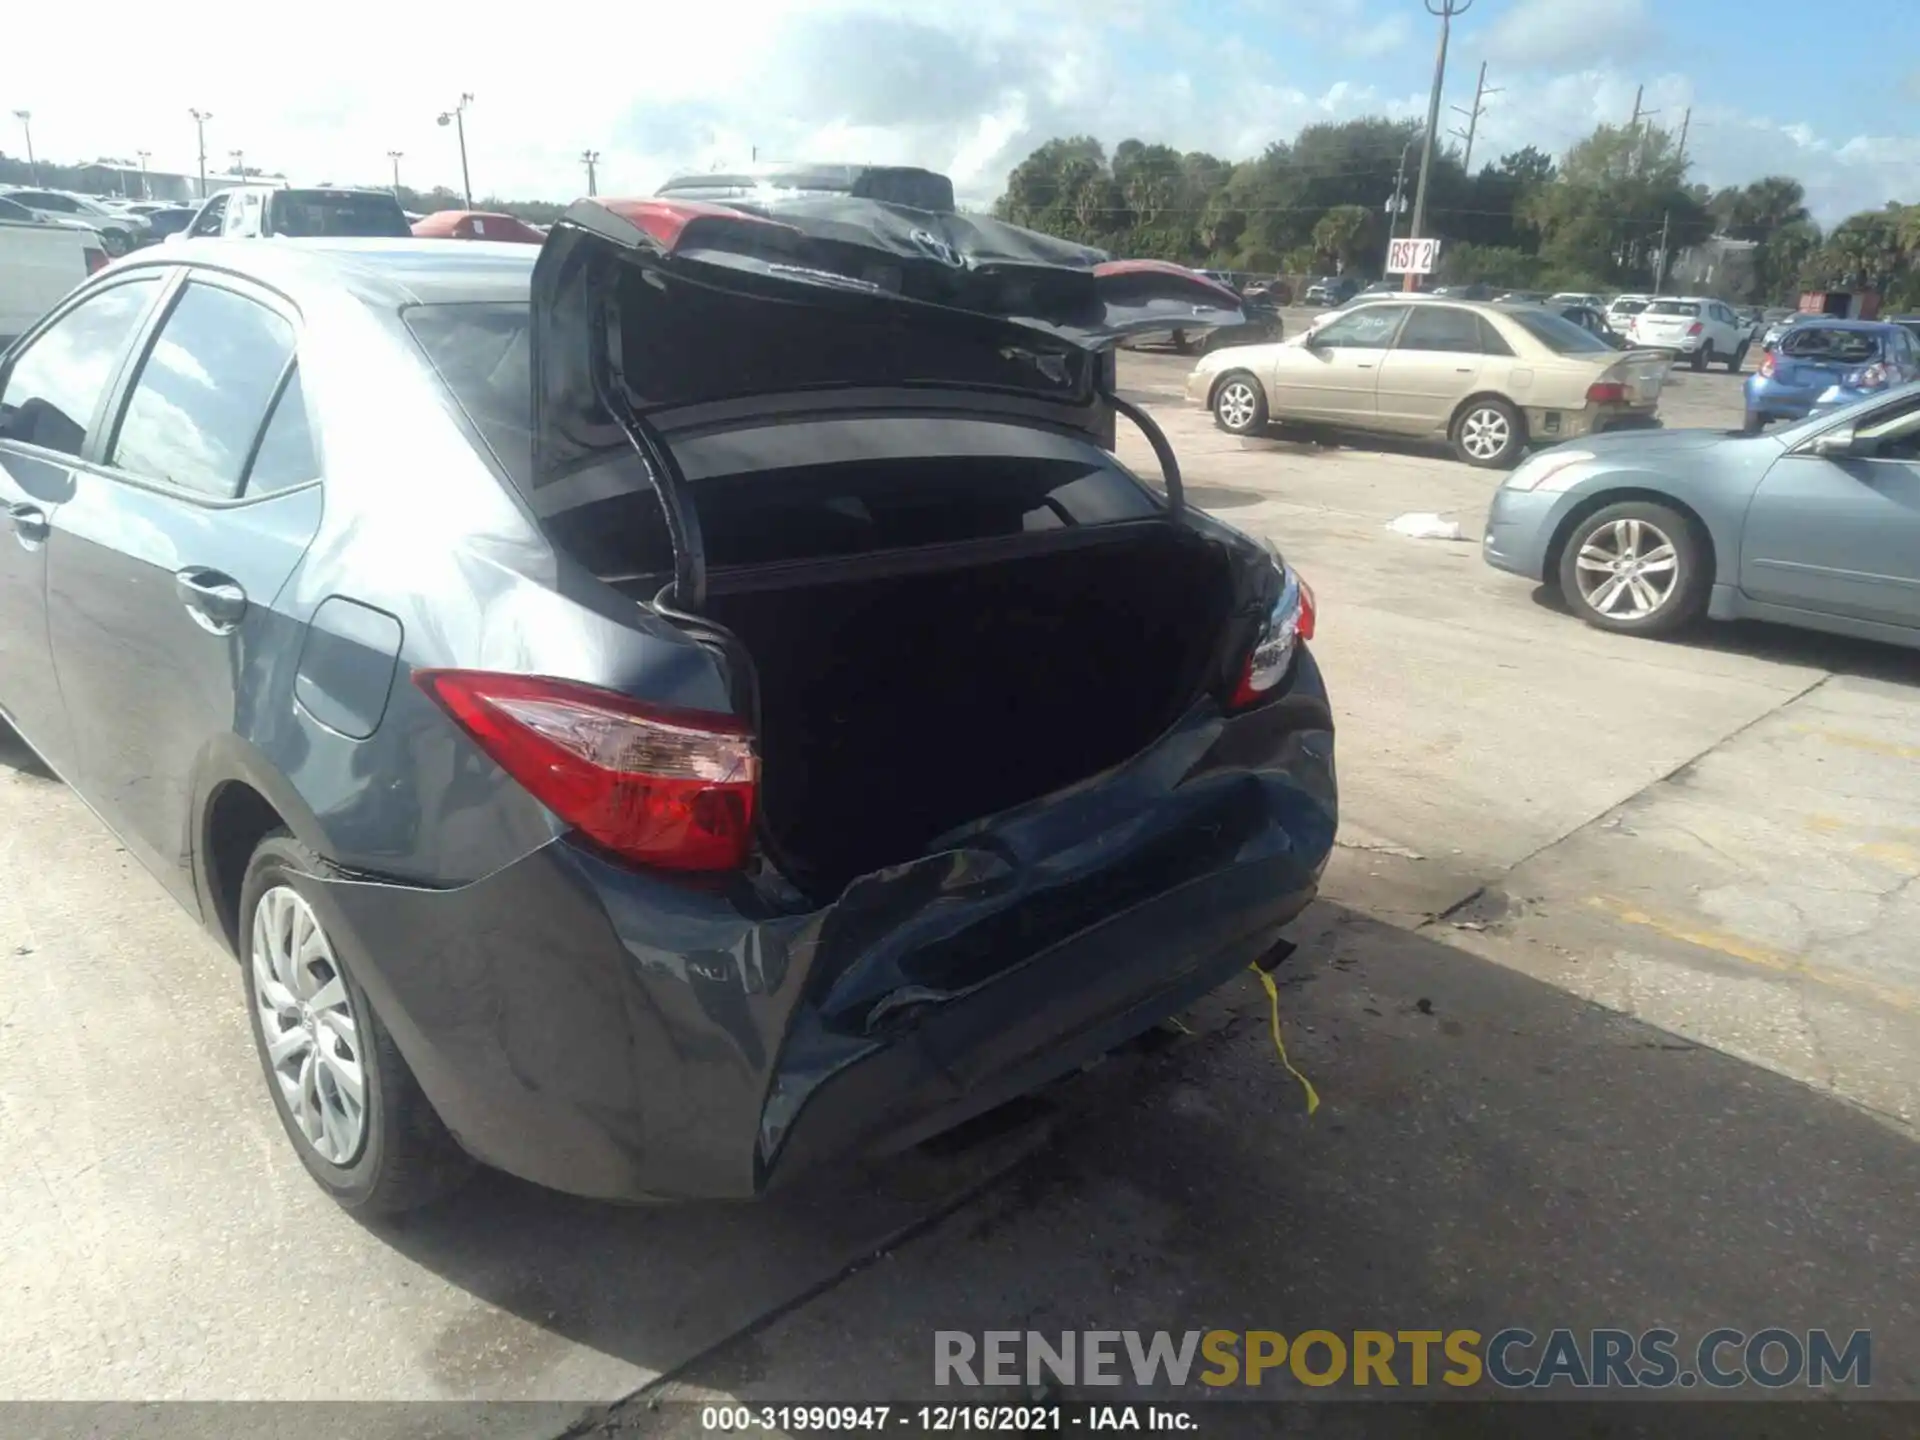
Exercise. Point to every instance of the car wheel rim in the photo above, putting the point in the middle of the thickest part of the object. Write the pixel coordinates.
(308, 1026)
(1236, 405)
(1485, 434)
(1627, 569)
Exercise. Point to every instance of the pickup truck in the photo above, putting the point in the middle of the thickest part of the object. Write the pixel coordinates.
(260, 211)
(40, 261)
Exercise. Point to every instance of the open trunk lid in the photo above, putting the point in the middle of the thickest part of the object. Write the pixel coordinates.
(1643, 373)
(657, 317)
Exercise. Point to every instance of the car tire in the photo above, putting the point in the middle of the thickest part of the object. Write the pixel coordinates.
(1753, 423)
(1739, 359)
(395, 1155)
(1240, 404)
(1703, 357)
(1604, 594)
(1489, 434)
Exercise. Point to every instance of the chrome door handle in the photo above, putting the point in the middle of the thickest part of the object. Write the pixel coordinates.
(215, 600)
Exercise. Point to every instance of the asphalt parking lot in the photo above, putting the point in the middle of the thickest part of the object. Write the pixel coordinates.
(1612, 1001)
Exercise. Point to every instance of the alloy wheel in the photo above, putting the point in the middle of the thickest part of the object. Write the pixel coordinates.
(1485, 433)
(1236, 404)
(1627, 569)
(308, 1026)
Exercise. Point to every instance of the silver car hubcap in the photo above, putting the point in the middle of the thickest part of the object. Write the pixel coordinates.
(308, 1023)
(1627, 569)
(1485, 434)
(1236, 405)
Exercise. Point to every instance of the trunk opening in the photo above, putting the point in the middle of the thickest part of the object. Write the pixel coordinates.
(896, 707)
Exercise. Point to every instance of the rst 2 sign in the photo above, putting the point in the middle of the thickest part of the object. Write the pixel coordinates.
(1412, 257)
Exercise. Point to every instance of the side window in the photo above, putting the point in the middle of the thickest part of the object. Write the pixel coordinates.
(286, 456)
(203, 392)
(1491, 341)
(58, 380)
(1370, 328)
(212, 216)
(1443, 328)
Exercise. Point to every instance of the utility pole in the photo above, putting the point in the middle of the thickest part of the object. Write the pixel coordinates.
(1660, 266)
(200, 118)
(591, 158)
(1480, 93)
(143, 156)
(456, 117)
(1686, 124)
(1445, 10)
(1399, 200)
(395, 157)
(25, 117)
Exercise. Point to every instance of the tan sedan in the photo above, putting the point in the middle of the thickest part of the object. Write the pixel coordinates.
(1491, 379)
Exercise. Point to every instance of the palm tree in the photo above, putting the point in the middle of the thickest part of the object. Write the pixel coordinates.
(1343, 232)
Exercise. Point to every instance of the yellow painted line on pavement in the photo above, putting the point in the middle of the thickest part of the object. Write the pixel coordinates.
(1736, 947)
(1856, 741)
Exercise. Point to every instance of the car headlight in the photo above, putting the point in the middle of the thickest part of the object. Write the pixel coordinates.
(1549, 473)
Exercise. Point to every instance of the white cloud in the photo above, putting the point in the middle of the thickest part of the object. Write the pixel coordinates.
(964, 86)
(1555, 34)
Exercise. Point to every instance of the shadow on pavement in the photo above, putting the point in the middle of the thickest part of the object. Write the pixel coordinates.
(1490, 1152)
(1783, 644)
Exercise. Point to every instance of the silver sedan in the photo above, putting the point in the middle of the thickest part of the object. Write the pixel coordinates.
(1816, 525)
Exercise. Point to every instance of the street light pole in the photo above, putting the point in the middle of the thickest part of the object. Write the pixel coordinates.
(200, 118)
(394, 156)
(1446, 10)
(25, 117)
(146, 192)
(457, 118)
(239, 159)
(1399, 200)
(591, 158)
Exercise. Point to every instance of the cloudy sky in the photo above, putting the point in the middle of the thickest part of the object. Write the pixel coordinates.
(324, 91)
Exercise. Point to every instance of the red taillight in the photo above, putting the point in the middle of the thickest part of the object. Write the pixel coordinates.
(667, 221)
(1767, 366)
(96, 259)
(1696, 328)
(663, 787)
(1606, 392)
(1290, 621)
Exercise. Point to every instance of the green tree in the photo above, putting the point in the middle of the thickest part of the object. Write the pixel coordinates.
(1343, 233)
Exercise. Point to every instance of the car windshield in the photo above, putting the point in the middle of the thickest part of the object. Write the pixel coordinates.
(337, 212)
(1559, 335)
(1672, 307)
(1848, 347)
(480, 352)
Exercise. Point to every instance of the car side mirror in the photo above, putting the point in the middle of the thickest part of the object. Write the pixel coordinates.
(1839, 443)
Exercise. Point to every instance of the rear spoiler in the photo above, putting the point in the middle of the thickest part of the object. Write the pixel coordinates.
(655, 315)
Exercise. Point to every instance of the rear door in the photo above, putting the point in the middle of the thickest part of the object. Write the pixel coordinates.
(53, 403)
(163, 565)
(1433, 366)
(1842, 536)
(1336, 377)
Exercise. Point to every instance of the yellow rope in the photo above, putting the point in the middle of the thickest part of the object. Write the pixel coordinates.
(1273, 1006)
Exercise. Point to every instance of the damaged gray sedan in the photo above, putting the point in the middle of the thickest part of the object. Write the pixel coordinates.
(703, 704)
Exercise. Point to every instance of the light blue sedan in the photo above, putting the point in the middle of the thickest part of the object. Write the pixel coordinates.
(1816, 525)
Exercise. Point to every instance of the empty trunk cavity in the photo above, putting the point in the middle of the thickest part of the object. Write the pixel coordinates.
(893, 709)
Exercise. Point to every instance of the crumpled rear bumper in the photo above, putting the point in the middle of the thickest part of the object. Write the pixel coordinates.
(625, 1036)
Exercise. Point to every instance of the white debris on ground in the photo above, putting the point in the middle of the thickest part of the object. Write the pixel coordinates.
(1423, 525)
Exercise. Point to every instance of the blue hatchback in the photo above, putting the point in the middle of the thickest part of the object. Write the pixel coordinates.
(1827, 363)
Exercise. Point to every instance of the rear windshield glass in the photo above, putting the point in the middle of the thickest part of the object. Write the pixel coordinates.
(1672, 307)
(1628, 307)
(337, 212)
(1559, 335)
(480, 353)
(1849, 347)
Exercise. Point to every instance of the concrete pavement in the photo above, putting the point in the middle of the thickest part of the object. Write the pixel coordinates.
(1607, 1002)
